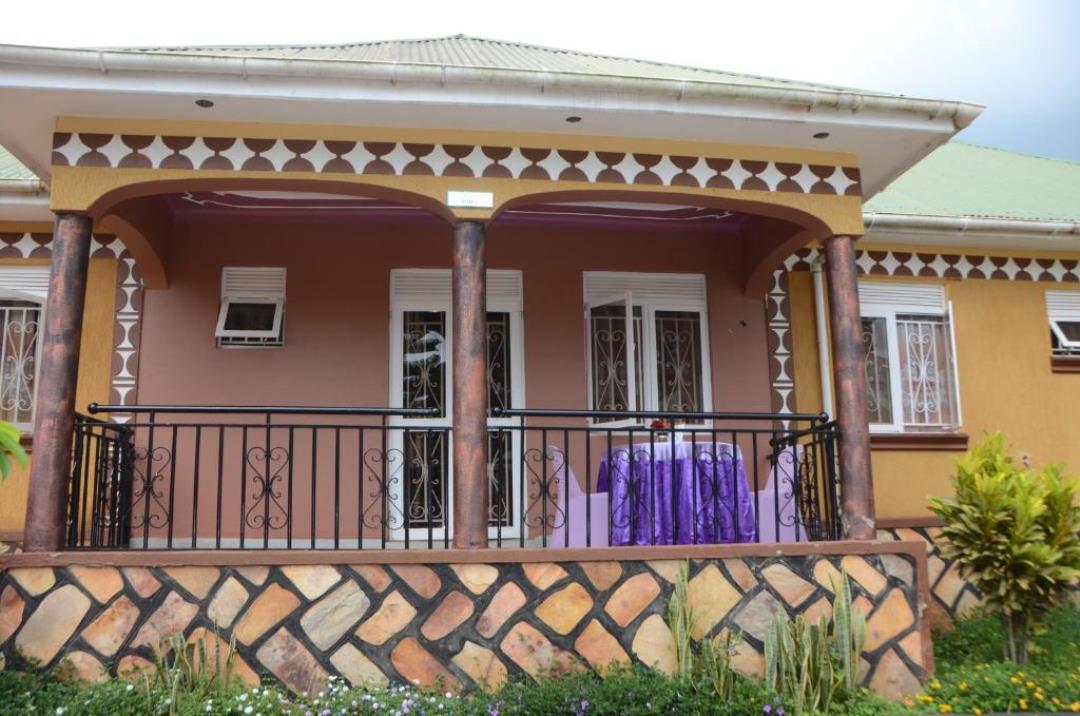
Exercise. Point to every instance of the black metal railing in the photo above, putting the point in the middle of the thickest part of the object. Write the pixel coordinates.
(600, 478)
(219, 477)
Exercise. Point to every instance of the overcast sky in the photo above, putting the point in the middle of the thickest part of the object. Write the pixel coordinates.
(1021, 58)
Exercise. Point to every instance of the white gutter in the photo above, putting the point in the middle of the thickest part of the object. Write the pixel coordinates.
(961, 114)
(976, 226)
(824, 356)
(21, 186)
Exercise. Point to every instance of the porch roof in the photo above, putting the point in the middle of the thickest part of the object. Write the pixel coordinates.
(475, 84)
(478, 52)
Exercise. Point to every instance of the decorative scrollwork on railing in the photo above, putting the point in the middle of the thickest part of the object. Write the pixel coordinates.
(545, 471)
(382, 470)
(266, 510)
(147, 494)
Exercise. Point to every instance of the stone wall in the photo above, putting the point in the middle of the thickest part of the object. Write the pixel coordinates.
(951, 596)
(462, 622)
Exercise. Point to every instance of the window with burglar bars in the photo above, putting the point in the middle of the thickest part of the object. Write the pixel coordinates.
(21, 321)
(652, 327)
(23, 290)
(421, 299)
(910, 357)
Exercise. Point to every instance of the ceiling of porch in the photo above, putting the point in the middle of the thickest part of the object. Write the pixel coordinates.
(255, 205)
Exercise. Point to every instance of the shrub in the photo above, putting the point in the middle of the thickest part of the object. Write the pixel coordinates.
(1013, 532)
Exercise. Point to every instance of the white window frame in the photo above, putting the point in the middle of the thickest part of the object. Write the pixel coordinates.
(246, 284)
(28, 283)
(908, 300)
(429, 290)
(1063, 307)
(650, 301)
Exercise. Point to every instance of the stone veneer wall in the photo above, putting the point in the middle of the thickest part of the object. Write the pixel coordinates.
(951, 596)
(466, 623)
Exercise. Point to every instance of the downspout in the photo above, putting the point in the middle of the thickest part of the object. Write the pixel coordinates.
(820, 321)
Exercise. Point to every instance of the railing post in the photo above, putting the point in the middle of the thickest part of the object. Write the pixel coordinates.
(470, 440)
(849, 375)
(54, 420)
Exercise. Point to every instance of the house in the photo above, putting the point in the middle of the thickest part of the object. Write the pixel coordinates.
(497, 332)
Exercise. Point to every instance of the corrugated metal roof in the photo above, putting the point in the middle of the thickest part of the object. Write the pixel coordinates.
(968, 180)
(477, 52)
(11, 169)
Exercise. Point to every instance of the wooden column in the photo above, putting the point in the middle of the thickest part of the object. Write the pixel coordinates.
(470, 481)
(54, 419)
(849, 376)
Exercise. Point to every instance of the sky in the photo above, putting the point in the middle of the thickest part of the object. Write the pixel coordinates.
(1020, 58)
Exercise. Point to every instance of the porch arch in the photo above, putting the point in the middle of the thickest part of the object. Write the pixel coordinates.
(777, 230)
(145, 228)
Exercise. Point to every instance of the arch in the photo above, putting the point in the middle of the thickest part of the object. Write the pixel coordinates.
(777, 232)
(145, 228)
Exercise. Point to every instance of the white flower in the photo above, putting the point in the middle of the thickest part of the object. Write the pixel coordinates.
(59, 711)
(248, 710)
(130, 687)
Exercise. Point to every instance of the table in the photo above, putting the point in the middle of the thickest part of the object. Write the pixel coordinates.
(708, 502)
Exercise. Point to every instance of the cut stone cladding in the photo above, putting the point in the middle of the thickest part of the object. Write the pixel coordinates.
(310, 615)
(951, 596)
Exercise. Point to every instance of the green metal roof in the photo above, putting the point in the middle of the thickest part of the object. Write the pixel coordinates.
(482, 53)
(968, 180)
(11, 169)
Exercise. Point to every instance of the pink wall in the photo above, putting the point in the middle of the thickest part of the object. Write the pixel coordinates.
(336, 337)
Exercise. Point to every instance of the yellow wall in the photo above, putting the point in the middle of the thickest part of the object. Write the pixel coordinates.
(1003, 361)
(95, 373)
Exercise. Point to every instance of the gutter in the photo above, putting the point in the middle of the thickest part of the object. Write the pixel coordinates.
(21, 186)
(961, 114)
(978, 226)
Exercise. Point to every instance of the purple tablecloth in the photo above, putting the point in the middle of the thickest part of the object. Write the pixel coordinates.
(708, 502)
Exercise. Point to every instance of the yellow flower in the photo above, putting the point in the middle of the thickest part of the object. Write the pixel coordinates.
(1075, 707)
(1038, 695)
(935, 684)
(1023, 704)
(1015, 679)
(1030, 684)
(977, 711)
(944, 709)
(963, 686)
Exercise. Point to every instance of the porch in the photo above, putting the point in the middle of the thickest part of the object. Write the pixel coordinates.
(647, 414)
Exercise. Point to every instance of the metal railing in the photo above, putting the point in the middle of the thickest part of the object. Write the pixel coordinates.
(600, 478)
(262, 477)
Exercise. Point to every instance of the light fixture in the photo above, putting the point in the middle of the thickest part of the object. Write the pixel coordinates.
(821, 135)
(573, 119)
(204, 103)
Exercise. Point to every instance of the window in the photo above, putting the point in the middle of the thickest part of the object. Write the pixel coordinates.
(652, 327)
(421, 366)
(910, 357)
(23, 290)
(252, 309)
(1063, 310)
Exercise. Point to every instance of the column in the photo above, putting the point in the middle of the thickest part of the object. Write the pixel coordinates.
(470, 478)
(849, 377)
(54, 420)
